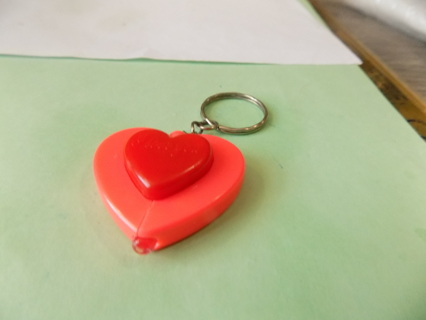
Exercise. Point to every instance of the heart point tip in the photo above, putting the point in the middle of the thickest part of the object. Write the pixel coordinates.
(144, 245)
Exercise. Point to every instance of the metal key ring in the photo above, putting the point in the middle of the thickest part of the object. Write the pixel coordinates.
(212, 124)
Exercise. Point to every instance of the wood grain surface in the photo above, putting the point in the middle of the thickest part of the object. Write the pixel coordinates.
(395, 61)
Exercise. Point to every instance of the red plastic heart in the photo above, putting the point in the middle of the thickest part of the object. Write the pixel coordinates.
(160, 165)
(154, 224)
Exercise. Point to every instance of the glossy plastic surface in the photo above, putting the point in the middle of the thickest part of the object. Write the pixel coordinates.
(161, 165)
(154, 224)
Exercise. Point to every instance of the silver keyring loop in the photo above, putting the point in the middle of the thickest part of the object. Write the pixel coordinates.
(234, 95)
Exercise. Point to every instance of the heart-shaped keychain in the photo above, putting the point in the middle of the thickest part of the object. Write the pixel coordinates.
(161, 188)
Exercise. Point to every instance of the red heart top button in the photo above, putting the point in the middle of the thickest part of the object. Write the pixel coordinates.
(160, 165)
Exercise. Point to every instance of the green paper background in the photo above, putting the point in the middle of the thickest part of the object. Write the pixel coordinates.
(330, 222)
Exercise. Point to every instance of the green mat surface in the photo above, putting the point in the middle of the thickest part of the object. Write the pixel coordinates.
(330, 222)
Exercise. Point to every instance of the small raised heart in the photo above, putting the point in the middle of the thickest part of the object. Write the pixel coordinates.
(160, 165)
